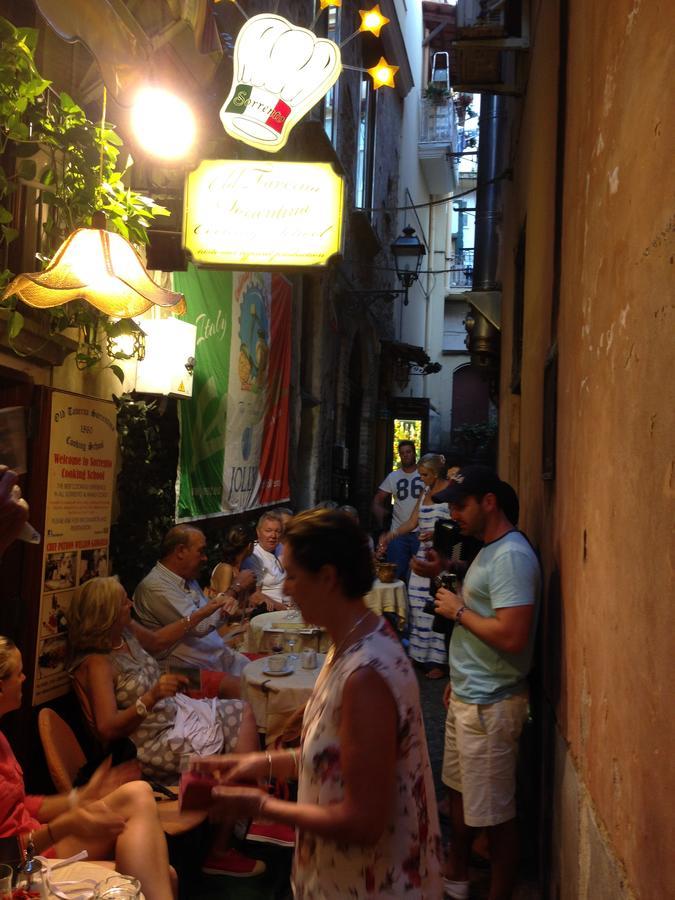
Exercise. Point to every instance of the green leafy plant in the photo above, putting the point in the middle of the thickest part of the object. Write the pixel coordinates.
(146, 494)
(436, 93)
(47, 139)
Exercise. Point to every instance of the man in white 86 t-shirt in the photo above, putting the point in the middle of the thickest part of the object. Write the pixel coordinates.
(398, 494)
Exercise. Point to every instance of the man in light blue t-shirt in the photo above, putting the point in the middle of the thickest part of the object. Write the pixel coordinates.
(490, 657)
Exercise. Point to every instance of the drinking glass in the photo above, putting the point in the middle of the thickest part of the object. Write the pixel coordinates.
(118, 887)
(290, 642)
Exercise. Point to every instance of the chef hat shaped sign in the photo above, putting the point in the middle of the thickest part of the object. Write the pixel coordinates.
(280, 72)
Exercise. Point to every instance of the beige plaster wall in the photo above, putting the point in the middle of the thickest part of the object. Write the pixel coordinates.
(616, 403)
(606, 523)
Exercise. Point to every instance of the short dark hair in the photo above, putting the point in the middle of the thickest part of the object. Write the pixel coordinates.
(178, 536)
(407, 443)
(321, 537)
(237, 538)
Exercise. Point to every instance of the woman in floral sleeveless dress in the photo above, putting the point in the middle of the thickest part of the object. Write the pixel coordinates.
(366, 818)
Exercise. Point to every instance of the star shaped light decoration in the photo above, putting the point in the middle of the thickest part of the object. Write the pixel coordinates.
(100, 267)
(326, 3)
(372, 20)
(383, 74)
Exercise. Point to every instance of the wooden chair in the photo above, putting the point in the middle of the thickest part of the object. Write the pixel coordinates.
(65, 758)
(62, 749)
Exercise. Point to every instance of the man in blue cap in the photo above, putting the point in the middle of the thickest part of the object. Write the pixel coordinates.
(490, 658)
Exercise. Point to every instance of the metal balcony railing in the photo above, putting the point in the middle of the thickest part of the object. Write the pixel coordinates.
(461, 269)
(438, 122)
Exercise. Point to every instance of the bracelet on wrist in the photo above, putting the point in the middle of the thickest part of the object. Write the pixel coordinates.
(50, 835)
(458, 615)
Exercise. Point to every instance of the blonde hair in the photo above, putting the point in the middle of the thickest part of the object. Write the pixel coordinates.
(433, 461)
(7, 648)
(92, 614)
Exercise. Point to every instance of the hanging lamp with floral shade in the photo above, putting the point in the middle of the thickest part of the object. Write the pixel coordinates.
(97, 266)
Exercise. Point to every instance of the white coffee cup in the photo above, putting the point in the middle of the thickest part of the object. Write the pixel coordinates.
(309, 660)
(276, 663)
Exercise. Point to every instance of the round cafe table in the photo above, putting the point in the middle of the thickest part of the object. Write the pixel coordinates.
(77, 880)
(283, 623)
(274, 697)
(389, 598)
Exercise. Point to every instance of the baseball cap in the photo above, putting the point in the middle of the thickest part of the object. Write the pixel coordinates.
(470, 481)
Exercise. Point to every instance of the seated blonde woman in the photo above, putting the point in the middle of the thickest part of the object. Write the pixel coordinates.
(121, 824)
(127, 695)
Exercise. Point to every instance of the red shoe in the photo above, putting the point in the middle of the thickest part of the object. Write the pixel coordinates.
(234, 864)
(272, 833)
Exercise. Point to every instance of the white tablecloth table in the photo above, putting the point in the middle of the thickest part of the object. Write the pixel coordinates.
(389, 598)
(274, 697)
(86, 875)
(261, 628)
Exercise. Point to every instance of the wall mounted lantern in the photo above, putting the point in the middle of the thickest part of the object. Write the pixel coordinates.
(408, 252)
(126, 340)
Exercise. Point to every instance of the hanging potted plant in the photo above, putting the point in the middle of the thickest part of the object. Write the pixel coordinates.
(46, 140)
(436, 93)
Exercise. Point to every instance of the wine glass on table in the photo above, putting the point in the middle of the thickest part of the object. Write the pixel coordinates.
(290, 643)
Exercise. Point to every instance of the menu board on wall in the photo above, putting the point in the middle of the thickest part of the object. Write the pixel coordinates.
(80, 482)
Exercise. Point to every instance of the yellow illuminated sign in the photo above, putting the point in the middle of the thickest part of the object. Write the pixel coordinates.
(263, 214)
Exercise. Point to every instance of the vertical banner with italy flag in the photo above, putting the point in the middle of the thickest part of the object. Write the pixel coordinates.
(234, 429)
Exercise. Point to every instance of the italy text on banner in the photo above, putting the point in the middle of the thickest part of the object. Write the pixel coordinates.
(203, 418)
(234, 430)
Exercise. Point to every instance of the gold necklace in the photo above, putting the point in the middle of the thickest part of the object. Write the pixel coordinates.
(351, 630)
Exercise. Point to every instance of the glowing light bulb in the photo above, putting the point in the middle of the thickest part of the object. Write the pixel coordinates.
(327, 3)
(372, 20)
(164, 124)
(383, 74)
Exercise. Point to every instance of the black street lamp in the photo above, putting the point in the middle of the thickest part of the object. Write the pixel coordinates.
(408, 251)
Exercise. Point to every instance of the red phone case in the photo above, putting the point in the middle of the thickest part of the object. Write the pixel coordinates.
(195, 790)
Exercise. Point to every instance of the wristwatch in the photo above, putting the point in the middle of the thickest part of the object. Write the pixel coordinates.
(141, 708)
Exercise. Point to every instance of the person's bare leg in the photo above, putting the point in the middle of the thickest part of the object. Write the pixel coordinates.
(247, 739)
(141, 849)
(461, 837)
(247, 742)
(504, 854)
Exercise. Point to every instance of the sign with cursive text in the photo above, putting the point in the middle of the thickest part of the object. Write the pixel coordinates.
(252, 215)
